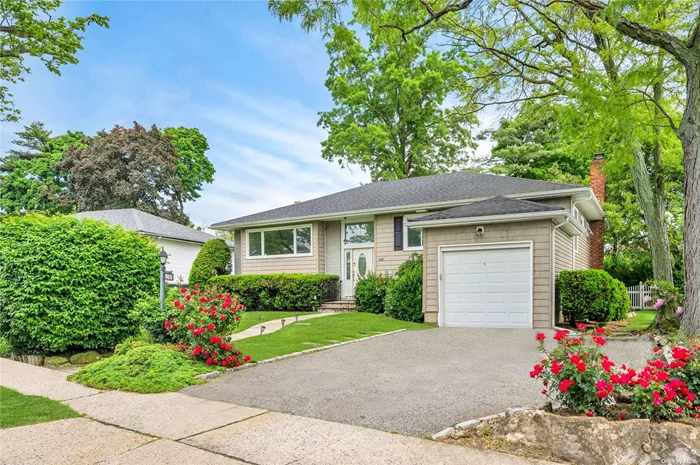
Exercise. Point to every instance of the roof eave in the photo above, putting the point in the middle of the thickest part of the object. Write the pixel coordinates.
(222, 226)
(558, 217)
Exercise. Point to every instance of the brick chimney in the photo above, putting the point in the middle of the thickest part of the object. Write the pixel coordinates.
(597, 248)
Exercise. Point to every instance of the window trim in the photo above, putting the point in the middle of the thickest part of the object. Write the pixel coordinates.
(278, 228)
(405, 233)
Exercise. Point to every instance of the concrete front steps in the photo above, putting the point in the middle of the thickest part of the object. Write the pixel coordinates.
(337, 306)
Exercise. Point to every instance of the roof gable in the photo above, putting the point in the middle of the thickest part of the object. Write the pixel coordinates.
(440, 188)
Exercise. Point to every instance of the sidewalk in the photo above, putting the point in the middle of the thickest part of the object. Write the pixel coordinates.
(272, 326)
(121, 428)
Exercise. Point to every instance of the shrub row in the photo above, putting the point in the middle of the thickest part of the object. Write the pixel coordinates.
(262, 292)
(592, 295)
(399, 296)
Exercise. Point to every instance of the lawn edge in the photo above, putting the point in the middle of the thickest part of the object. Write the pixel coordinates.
(216, 374)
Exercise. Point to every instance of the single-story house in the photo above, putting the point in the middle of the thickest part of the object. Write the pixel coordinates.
(180, 242)
(492, 245)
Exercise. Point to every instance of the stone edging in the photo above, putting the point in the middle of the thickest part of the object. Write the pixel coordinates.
(473, 423)
(216, 374)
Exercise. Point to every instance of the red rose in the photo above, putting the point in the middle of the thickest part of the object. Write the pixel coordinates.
(246, 359)
(581, 366)
(557, 367)
(190, 326)
(599, 340)
(183, 290)
(188, 297)
(540, 336)
(561, 335)
(176, 303)
(208, 361)
(224, 363)
(223, 317)
(211, 326)
(589, 414)
(544, 392)
(206, 352)
(197, 350)
(566, 384)
(581, 326)
(575, 359)
(600, 330)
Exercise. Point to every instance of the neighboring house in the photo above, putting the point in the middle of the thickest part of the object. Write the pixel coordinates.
(492, 245)
(182, 243)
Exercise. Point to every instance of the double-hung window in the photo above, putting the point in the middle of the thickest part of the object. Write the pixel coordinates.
(280, 242)
(412, 237)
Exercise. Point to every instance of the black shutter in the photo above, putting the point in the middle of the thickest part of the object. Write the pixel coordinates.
(398, 233)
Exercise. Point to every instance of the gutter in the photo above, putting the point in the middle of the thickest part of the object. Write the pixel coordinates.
(225, 226)
(554, 261)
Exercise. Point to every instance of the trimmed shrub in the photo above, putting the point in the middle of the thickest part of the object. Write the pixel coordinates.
(152, 318)
(404, 294)
(71, 284)
(370, 293)
(261, 292)
(592, 295)
(213, 259)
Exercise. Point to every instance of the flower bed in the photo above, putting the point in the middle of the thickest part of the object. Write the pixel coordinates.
(201, 323)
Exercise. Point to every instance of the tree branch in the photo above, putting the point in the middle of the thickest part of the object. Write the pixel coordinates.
(15, 31)
(433, 16)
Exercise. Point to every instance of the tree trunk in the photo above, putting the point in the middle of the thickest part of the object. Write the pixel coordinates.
(689, 134)
(654, 209)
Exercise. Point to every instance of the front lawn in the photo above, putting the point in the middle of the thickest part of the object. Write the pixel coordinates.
(320, 332)
(249, 319)
(16, 409)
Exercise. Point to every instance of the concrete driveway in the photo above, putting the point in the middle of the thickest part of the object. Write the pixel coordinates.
(414, 382)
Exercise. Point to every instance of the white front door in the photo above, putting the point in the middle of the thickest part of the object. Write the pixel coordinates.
(358, 263)
(489, 287)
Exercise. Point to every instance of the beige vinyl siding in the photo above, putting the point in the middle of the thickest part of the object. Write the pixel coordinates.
(563, 259)
(564, 202)
(284, 264)
(320, 246)
(386, 258)
(332, 247)
(540, 232)
(582, 258)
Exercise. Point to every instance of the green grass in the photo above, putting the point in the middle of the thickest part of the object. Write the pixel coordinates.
(145, 368)
(249, 319)
(641, 320)
(16, 409)
(341, 328)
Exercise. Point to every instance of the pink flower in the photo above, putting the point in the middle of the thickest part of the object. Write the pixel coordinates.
(658, 304)
(647, 299)
(679, 311)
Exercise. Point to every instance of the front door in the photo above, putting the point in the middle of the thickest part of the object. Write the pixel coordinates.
(358, 263)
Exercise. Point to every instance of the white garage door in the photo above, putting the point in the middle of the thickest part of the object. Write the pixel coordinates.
(487, 287)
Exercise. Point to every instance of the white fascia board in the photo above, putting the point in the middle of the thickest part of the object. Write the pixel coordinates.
(557, 216)
(401, 209)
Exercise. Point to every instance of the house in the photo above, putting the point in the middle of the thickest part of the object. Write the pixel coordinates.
(492, 245)
(182, 243)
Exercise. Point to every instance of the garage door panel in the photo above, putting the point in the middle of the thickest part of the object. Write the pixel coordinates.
(487, 288)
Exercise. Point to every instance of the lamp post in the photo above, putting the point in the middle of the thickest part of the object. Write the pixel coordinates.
(163, 256)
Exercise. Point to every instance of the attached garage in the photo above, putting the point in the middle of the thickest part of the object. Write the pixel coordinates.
(486, 285)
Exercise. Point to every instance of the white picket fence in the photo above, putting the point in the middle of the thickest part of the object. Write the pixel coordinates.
(637, 294)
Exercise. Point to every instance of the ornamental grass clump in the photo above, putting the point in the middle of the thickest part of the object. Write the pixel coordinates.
(201, 323)
(579, 375)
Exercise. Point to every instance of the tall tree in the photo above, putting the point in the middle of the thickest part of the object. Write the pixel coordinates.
(391, 115)
(31, 28)
(31, 182)
(193, 167)
(126, 168)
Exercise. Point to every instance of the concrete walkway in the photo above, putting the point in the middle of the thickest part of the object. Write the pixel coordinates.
(122, 428)
(273, 325)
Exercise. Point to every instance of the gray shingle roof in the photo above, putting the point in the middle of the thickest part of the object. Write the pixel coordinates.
(490, 207)
(423, 190)
(145, 223)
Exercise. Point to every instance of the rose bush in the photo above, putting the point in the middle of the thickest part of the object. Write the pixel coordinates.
(201, 323)
(579, 375)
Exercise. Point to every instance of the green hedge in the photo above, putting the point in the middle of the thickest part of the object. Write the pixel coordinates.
(404, 294)
(592, 295)
(71, 284)
(301, 292)
(370, 293)
(213, 259)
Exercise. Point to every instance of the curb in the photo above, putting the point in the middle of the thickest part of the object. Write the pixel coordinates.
(468, 424)
(216, 374)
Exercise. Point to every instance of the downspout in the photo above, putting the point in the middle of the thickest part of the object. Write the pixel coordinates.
(573, 252)
(554, 262)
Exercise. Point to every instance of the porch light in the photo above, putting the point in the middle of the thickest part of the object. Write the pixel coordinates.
(163, 256)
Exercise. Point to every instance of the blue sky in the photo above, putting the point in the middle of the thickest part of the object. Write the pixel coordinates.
(252, 85)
